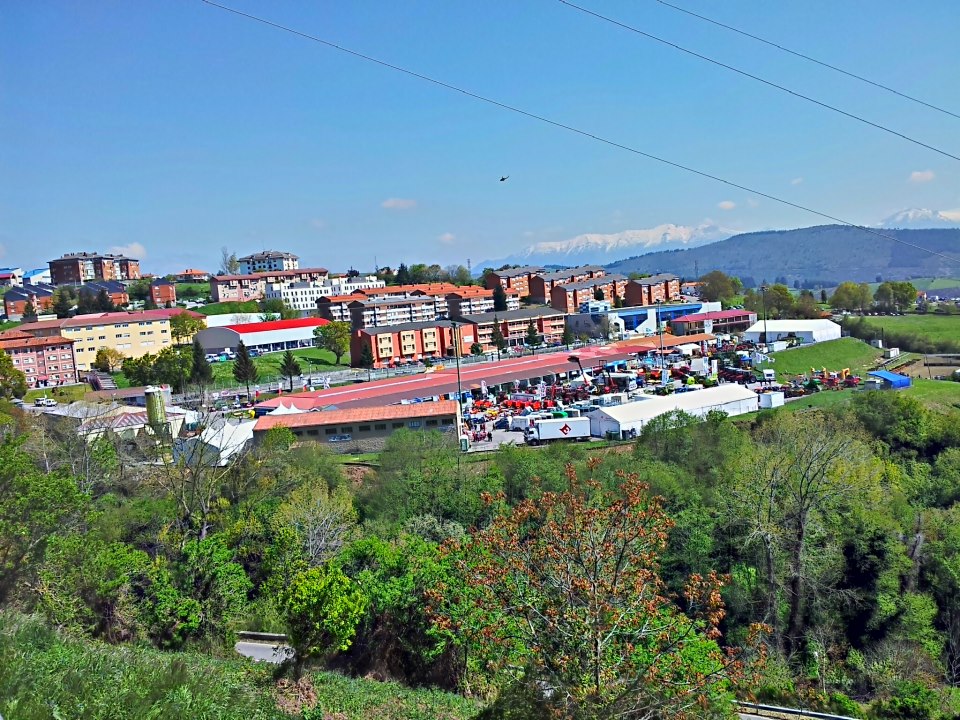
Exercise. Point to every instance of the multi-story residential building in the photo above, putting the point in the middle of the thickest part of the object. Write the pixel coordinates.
(77, 268)
(16, 300)
(268, 261)
(46, 361)
(473, 300)
(116, 291)
(541, 285)
(567, 298)
(134, 334)
(409, 342)
(648, 290)
(11, 277)
(303, 296)
(372, 312)
(514, 325)
(353, 283)
(514, 279)
(191, 275)
(336, 308)
(240, 288)
(163, 292)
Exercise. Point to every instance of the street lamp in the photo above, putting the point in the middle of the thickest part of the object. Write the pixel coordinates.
(763, 301)
(456, 350)
(663, 364)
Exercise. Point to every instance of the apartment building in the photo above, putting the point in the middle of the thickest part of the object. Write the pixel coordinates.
(514, 325)
(77, 268)
(268, 261)
(304, 296)
(134, 334)
(163, 292)
(336, 308)
(350, 284)
(372, 312)
(542, 285)
(241, 288)
(647, 291)
(11, 277)
(16, 299)
(390, 345)
(569, 297)
(46, 361)
(517, 279)
(473, 300)
(192, 275)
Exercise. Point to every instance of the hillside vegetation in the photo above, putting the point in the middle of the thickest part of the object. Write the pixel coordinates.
(821, 255)
(834, 355)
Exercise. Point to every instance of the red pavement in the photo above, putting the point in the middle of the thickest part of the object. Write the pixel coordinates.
(393, 390)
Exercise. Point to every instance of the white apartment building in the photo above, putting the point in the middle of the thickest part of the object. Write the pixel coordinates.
(346, 285)
(268, 261)
(303, 296)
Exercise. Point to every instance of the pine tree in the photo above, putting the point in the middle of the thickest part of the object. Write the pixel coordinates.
(244, 370)
(617, 301)
(62, 304)
(289, 367)
(403, 274)
(499, 299)
(366, 357)
(29, 311)
(598, 294)
(567, 338)
(103, 302)
(496, 337)
(533, 336)
(200, 372)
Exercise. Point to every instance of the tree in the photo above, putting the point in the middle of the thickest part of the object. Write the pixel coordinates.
(499, 298)
(277, 309)
(566, 591)
(229, 265)
(904, 294)
(201, 374)
(29, 311)
(172, 366)
(779, 300)
(366, 360)
(322, 608)
(108, 360)
(598, 294)
(476, 349)
(617, 301)
(139, 371)
(103, 303)
(496, 337)
(534, 338)
(62, 303)
(884, 295)
(139, 289)
(13, 383)
(323, 519)
(403, 275)
(716, 285)
(823, 296)
(183, 326)
(335, 337)
(567, 338)
(846, 297)
(290, 368)
(244, 369)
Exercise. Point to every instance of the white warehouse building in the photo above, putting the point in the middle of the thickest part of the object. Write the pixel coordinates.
(806, 331)
(621, 421)
(264, 337)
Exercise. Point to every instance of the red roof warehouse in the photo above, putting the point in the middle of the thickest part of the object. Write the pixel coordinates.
(270, 336)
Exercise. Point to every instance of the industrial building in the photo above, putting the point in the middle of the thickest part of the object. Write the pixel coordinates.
(264, 337)
(806, 331)
(360, 430)
(623, 421)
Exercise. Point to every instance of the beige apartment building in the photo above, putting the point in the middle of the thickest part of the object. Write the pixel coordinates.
(133, 334)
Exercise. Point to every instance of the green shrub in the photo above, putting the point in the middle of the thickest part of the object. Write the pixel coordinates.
(910, 701)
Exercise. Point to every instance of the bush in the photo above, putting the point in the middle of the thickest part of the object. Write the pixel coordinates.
(910, 701)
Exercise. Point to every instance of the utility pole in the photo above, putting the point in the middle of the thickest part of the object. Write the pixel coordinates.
(663, 363)
(763, 300)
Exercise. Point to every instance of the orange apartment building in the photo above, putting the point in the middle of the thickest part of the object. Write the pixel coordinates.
(517, 279)
(391, 345)
(163, 292)
(77, 268)
(514, 324)
(240, 288)
(542, 285)
(568, 298)
(647, 291)
(373, 312)
(474, 300)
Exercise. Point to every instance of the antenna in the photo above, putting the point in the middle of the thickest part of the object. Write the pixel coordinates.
(469, 267)
(696, 269)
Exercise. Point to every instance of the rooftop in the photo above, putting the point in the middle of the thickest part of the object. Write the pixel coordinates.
(653, 279)
(93, 256)
(570, 272)
(268, 255)
(791, 325)
(271, 274)
(356, 415)
(517, 272)
(715, 315)
(271, 325)
(521, 314)
(24, 340)
(424, 288)
(376, 302)
(713, 398)
(403, 327)
(593, 282)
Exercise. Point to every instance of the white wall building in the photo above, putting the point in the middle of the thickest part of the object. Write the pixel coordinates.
(621, 420)
(807, 331)
(346, 285)
(268, 261)
(303, 296)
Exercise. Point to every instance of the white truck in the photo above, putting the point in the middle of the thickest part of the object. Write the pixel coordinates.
(569, 428)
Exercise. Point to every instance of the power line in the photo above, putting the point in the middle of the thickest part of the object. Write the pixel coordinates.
(770, 83)
(810, 59)
(572, 129)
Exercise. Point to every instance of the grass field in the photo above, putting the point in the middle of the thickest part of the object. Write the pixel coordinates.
(8, 325)
(833, 355)
(65, 394)
(226, 308)
(188, 291)
(310, 359)
(931, 325)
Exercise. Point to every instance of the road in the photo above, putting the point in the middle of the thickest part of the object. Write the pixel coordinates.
(264, 652)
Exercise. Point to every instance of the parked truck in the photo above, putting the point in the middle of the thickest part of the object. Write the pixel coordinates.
(544, 431)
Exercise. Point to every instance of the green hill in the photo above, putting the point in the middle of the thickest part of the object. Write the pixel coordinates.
(834, 355)
(815, 256)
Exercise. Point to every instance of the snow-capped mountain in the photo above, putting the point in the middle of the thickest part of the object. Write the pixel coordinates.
(920, 218)
(598, 249)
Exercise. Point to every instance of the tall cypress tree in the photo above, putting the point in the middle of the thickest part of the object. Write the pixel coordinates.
(499, 299)
(289, 367)
(200, 372)
(244, 371)
(496, 337)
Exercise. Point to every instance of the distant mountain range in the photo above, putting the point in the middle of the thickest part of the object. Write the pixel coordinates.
(597, 249)
(918, 218)
(822, 255)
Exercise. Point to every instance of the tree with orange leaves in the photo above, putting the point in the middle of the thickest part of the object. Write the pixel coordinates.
(564, 595)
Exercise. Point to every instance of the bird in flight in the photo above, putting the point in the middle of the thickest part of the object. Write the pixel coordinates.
(504, 178)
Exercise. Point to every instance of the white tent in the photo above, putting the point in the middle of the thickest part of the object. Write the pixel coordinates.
(216, 445)
(807, 331)
(284, 409)
(620, 420)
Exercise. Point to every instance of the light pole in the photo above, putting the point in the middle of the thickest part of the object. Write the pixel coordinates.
(456, 350)
(763, 301)
(663, 364)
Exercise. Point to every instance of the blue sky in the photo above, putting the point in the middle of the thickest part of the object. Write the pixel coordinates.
(172, 129)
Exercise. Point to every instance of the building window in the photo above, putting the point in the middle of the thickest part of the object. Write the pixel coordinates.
(397, 425)
(415, 424)
(431, 423)
(363, 428)
(311, 432)
(380, 426)
(330, 431)
(346, 429)
(446, 422)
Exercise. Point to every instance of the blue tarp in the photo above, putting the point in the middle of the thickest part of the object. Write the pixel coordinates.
(894, 380)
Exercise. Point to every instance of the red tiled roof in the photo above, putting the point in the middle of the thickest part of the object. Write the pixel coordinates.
(354, 415)
(32, 342)
(428, 288)
(668, 341)
(277, 325)
(270, 273)
(715, 315)
(343, 298)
